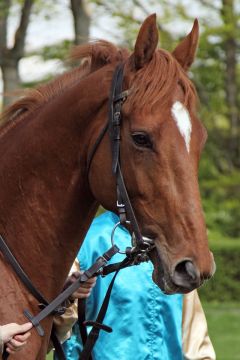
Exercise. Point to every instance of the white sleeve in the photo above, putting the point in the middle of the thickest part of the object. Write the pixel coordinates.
(1, 341)
(196, 342)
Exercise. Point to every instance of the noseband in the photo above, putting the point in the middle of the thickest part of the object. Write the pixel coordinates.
(124, 207)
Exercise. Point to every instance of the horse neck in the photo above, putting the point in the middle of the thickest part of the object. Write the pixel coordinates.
(45, 200)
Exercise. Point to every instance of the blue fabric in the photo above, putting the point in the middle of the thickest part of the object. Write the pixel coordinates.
(146, 323)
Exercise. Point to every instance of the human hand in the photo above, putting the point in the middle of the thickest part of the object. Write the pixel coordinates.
(85, 288)
(15, 336)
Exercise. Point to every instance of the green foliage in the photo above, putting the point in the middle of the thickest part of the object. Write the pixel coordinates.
(224, 286)
(220, 196)
(224, 329)
(58, 51)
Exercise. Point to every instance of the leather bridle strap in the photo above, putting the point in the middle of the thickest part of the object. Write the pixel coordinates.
(81, 307)
(122, 96)
(117, 97)
(93, 150)
(121, 188)
(20, 272)
(98, 324)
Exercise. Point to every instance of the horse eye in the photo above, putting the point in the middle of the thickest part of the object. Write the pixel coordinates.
(142, 139)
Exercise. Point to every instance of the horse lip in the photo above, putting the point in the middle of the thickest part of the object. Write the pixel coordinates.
(170, 288)
(161, 277)
(162, 274)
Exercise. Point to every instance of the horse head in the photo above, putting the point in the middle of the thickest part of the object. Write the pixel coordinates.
(161, 143)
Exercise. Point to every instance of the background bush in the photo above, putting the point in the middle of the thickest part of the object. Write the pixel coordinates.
(224, 286)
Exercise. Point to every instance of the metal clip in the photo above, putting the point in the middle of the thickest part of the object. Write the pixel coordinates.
(120, 205)
(112, 235)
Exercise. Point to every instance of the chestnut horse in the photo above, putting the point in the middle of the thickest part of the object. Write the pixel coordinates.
(48, 198)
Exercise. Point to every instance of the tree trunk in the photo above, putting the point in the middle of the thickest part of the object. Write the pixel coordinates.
(9, 58)
(11, 81)
(81, 21)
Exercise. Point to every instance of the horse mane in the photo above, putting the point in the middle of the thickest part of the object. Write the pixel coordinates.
(91, 56)
(151, 83)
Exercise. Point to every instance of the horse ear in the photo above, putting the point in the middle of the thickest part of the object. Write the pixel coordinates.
(186, 50)
(146, 42)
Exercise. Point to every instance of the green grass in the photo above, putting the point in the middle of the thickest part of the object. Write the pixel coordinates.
(224, 329)
(49, 357)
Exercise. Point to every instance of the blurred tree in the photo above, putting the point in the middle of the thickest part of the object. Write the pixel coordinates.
(230, 39)
(9, 57)
(81, 21)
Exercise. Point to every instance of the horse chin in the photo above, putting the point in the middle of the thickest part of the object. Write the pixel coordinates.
(160, 275)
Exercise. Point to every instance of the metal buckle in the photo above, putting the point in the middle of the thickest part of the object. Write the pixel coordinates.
(112, 235)
(120, 205)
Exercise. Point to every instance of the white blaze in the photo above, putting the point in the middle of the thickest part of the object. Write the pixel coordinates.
(183, 121)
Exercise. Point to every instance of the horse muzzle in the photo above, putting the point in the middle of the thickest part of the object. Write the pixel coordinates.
(183, 277)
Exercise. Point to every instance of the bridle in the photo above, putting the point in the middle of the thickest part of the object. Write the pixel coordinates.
(125, 210)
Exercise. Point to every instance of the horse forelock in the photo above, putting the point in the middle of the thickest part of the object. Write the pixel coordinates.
(156, 82)
(91, 56)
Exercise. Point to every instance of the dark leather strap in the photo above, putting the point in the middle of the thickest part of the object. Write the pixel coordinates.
(57, 345)
(20, 272)
(114, 267)
(5, 354)
(115, 115)
(129, 209)
(81, 321)
(93, 150)
(92, 271)
(116, 99)
(98, 324)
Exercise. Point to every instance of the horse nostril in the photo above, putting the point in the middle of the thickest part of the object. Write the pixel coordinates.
(190, 269)
(186, 274)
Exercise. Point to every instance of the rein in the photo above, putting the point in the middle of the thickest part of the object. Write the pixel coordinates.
(141, 245)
